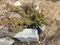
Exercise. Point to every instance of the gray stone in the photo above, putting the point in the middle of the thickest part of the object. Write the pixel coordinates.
(42, 27)
(17, 3)
(4, 34)
(3, 31)
(36, 6)
(27, 35)
(15, 15)
(5, 41)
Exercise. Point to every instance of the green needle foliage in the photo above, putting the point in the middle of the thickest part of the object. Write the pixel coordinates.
(32, 18)
(29, 18)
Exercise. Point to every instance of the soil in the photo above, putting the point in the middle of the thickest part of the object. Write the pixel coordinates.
(51, 35)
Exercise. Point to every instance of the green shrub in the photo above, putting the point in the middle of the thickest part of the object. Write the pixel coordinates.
(29, 18)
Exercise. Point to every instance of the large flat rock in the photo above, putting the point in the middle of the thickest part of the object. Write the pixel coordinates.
(27, 35)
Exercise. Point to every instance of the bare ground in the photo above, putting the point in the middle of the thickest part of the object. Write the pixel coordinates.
(52, 31)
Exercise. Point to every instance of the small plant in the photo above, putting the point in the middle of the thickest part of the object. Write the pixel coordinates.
(29, 18)
(32, 17)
